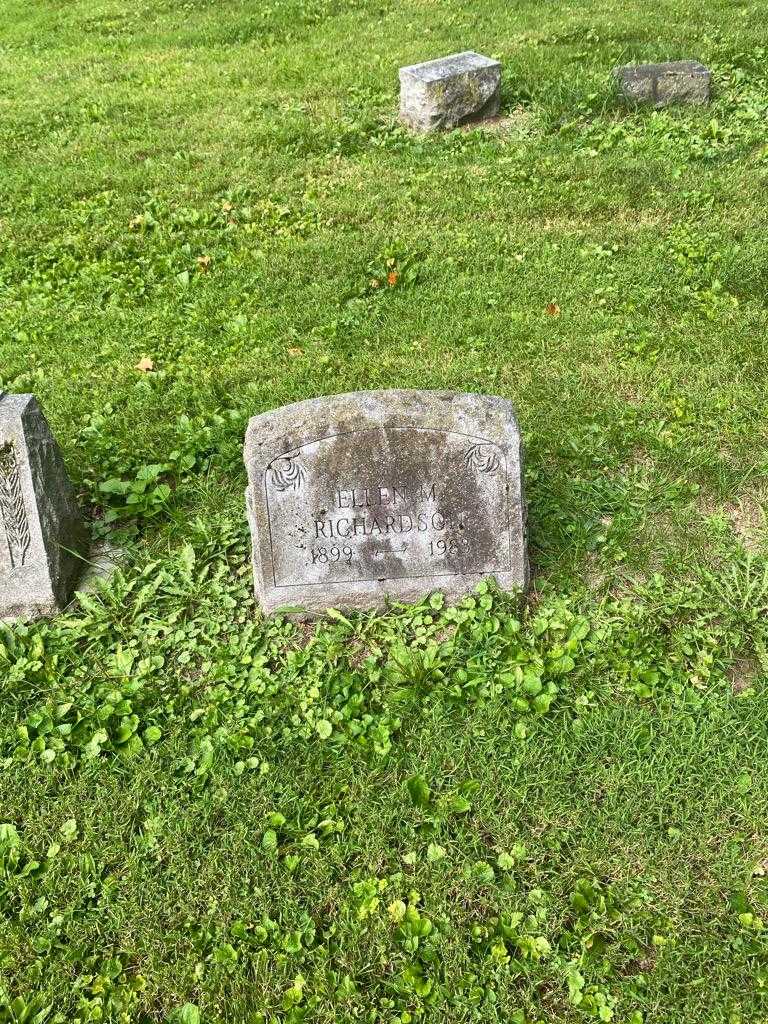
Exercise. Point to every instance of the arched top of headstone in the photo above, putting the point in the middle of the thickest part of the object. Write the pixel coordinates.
(401, 407)
(369, 495)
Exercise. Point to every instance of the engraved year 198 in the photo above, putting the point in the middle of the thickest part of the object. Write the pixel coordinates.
(441, 548)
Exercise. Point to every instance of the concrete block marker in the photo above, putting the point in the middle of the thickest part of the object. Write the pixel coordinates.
(680, 81)
(449, 91)
(359, 498)
(43, 540)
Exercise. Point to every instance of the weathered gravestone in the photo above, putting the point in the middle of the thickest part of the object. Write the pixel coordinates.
(42, 536)
(679, 81)
(356, 498)
(449, 91)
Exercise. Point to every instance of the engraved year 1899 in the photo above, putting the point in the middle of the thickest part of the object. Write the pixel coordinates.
(323, 555)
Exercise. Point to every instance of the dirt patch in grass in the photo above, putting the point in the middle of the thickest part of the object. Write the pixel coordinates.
(519, 123)
(743, 513)
(747, 518)
(742, 674)
(305, 632)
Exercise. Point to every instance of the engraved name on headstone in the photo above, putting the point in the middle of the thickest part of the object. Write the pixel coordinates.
(42, 536)
(357, 498)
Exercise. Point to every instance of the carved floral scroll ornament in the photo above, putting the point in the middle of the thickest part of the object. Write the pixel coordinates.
(14, 514)
(287, 474)
(483, 458)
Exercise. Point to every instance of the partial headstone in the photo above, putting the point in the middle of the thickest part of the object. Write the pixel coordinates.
(359, 498)
(42, 536)
(680, 81)
(449, 91)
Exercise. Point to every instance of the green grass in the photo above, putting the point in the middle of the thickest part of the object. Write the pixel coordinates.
(435, 815)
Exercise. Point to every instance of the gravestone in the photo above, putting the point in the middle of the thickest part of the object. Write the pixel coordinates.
(42, 536)
(357, 498)
(449, 91)
(680, 81)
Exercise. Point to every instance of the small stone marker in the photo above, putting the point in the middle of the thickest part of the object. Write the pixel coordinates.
(680, 81)
(42, 536)
(448, 92)
(359, 497)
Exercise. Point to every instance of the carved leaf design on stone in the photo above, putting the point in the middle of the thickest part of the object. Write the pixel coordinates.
(287, 474)
(483, 458)
(12, 506)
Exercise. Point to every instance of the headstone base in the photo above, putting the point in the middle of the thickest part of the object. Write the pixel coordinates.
(682, 81)
(450, 91)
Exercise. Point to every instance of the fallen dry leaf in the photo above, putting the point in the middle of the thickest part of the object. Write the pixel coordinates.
(374, 282)
(203, 263)
(145, 364)
(295, 351)
(553, 309)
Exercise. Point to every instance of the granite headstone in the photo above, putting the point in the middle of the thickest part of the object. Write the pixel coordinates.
(42, 537)
(678, 81)
(358, 498)
(449, 91)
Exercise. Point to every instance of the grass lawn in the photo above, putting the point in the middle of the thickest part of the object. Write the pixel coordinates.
(437, 815)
